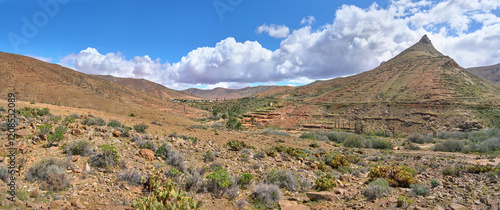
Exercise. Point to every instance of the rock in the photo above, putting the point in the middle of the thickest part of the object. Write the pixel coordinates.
(147, 154)
(32, 205)
(438, 208)
(23, 147)
(121, 208)
(59, 204)
(291, 205)
(456, 206)
(117, 133)
(77, 204)
(87, 168)
(493, 203)
(75, 158)
(323, 195)
(76, 132)
(339, 191)
(339, 183)
(346, 178)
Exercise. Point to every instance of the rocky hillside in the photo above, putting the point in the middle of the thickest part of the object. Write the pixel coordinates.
(227, 94)
(150, 88)
(491, 73)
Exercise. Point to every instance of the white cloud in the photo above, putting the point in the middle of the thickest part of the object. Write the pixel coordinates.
(357, 40)
(276, 31)
(44, 59)
(308, 20)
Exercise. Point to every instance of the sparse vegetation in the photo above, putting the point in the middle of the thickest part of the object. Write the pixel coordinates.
(94, 121)
(218, 181)
(58, 135)
(416, 138)
(131, 176)
(51, 173)
(114, 123)
(452, 171)
(141, 128)
(281, 178)
(274, 131)
(434, 183)
(108, 159)
(269, 194)
(397, 176)
(171, 156)
(419, 190)
(45, 129)
(377, 189)
(81, 147)
(245, 180)
(325, 183)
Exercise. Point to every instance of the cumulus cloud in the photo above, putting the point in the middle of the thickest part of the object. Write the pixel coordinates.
(276, 31)
(307, 20)
(357, 40)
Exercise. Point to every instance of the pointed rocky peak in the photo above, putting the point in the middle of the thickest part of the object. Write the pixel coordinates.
(425, 40)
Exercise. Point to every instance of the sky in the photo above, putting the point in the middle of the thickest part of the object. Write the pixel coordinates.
(240, 43)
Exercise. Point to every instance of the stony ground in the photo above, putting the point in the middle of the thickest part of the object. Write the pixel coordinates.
(94, 188)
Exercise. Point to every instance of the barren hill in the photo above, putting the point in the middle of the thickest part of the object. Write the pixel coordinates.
(148, 87)
(40, 82)
(418, 90)
(223, 93)
(491, 73)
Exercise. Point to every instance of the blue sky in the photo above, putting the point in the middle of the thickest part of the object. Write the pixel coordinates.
(238, 43)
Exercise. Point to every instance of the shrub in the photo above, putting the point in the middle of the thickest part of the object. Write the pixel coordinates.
(45, 128)
(398, 176)
(411, 146)
(236, 145)
(141, 128)
(491, 144)
(381, 144)
(451, 135)
(51, 173)
(260, 155)
(81, 147)
(4, 174)
(208, 157)
(268, 194)
(163, 194)
(377, 189)
(419, 190)
(325, 183)
(58, 135)
(434, 183)
(356, 141)
(2, 109)
(282, 178)
(94, 121)
(172, 157)
(451, 171)
(146, 145)
(241, 204)
(245, 179)
(416, 138)
(314, 145)
(218, 181)
(233, 123)
(271, 131)
(194, 180)
(336, 160)
(114, 123)
(108, 159)
(450, 146)
(69, 119)
(131, 176)
(131, 115)
(477, 169)
(404, 202)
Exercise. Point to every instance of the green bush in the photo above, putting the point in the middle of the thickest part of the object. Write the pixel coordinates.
(51, 173)
(477, 169)
(131, 115)
(416, 138)
(164, 194)
(234, 124)
(452, 171)
(434, 183)
(81, 147)
(245, 179)
(377, 189)
(236, 145)
(314, 145)
(2, 109)
(108, 159)
(419, 190)
(218, 181)
(336, 160)
(398, 176)
(450, 146)
(355, 141)
(325, 183)
(381, 144)
(69, 119)
(94, 121)
(58, 135)
(141, 128)
(45, 129)
(114, 123)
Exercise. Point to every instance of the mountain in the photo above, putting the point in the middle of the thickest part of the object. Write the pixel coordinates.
(491, 73)
(223, 93)
(40, 82)
(418, 90)
(150, 88)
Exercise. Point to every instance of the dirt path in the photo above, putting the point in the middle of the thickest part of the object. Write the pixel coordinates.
(469, 158)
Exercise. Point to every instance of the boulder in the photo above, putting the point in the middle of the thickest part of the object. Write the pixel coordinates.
(291, 205)
(147, 154)
(59, 204)
(323, 195)
(117, 133)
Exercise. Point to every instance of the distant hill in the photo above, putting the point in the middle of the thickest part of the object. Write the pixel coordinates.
(491, 73)
(36, 81)
(418, 90)
(148, 87)
(223, 93)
